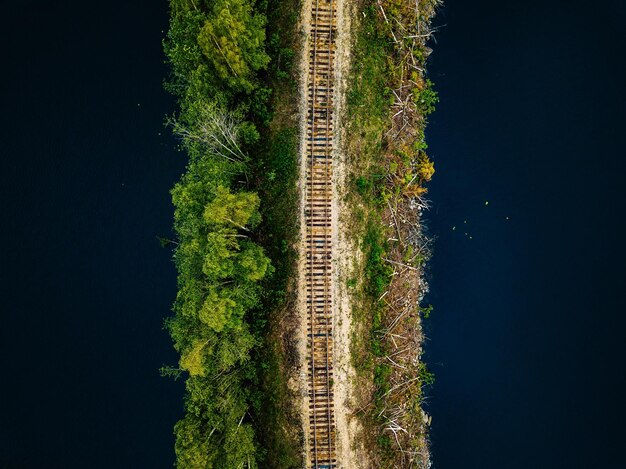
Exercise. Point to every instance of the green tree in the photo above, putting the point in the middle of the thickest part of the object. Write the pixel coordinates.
(232, 39)
(219, 255)
(181, 45)
(252, 263)
(192, 359)
(240, 210)
(193, 449)
(217, 309)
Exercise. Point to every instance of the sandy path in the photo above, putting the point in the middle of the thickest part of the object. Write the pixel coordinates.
(349, 454)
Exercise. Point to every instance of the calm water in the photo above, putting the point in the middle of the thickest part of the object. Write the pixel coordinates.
(528, 332)
(85, 285)
(527, 336)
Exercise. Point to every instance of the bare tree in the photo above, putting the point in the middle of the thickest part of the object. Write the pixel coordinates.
(217, 129)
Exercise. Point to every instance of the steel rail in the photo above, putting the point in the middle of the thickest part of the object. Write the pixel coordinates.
(312, 320)
(328, 216)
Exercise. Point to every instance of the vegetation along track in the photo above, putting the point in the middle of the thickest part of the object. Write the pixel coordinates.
(321, 433)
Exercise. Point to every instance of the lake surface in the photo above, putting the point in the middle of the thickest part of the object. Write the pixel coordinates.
(85, 285)
(527, 336)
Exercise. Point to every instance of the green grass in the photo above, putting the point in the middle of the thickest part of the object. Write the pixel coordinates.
(275, 178)
(369, 104)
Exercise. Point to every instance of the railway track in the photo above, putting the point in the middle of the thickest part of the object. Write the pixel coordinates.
(319, 235)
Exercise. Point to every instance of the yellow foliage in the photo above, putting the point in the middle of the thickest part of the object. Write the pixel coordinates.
(191, 359)
(425, 168)
(414, 190)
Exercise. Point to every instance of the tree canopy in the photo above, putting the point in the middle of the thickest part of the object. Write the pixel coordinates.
(219, 269)
(214, 50)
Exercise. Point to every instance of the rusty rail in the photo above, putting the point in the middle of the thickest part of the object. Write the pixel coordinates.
(319, 229)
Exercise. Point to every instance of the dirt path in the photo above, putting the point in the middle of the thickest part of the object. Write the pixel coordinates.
(325, 252)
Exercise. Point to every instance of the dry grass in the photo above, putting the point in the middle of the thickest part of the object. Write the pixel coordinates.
(388, 104)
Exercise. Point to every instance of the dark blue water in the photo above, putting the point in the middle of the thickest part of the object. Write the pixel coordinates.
(527, 336)
(84, 284)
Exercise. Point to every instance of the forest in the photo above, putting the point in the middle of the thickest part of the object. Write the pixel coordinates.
(216, 51)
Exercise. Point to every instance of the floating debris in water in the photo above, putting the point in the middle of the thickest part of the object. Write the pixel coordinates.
(453, 228)
(486, 202)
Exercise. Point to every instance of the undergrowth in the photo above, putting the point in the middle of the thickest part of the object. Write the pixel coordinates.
(387, 175)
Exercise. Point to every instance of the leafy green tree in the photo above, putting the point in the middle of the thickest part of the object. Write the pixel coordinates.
(235, 210)
(232, 39)
(193, 449)
(239, 446)
(252, 263)
(217, 310)
(234, 350)
(192, 359)
(181, 45)
(219, 255)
